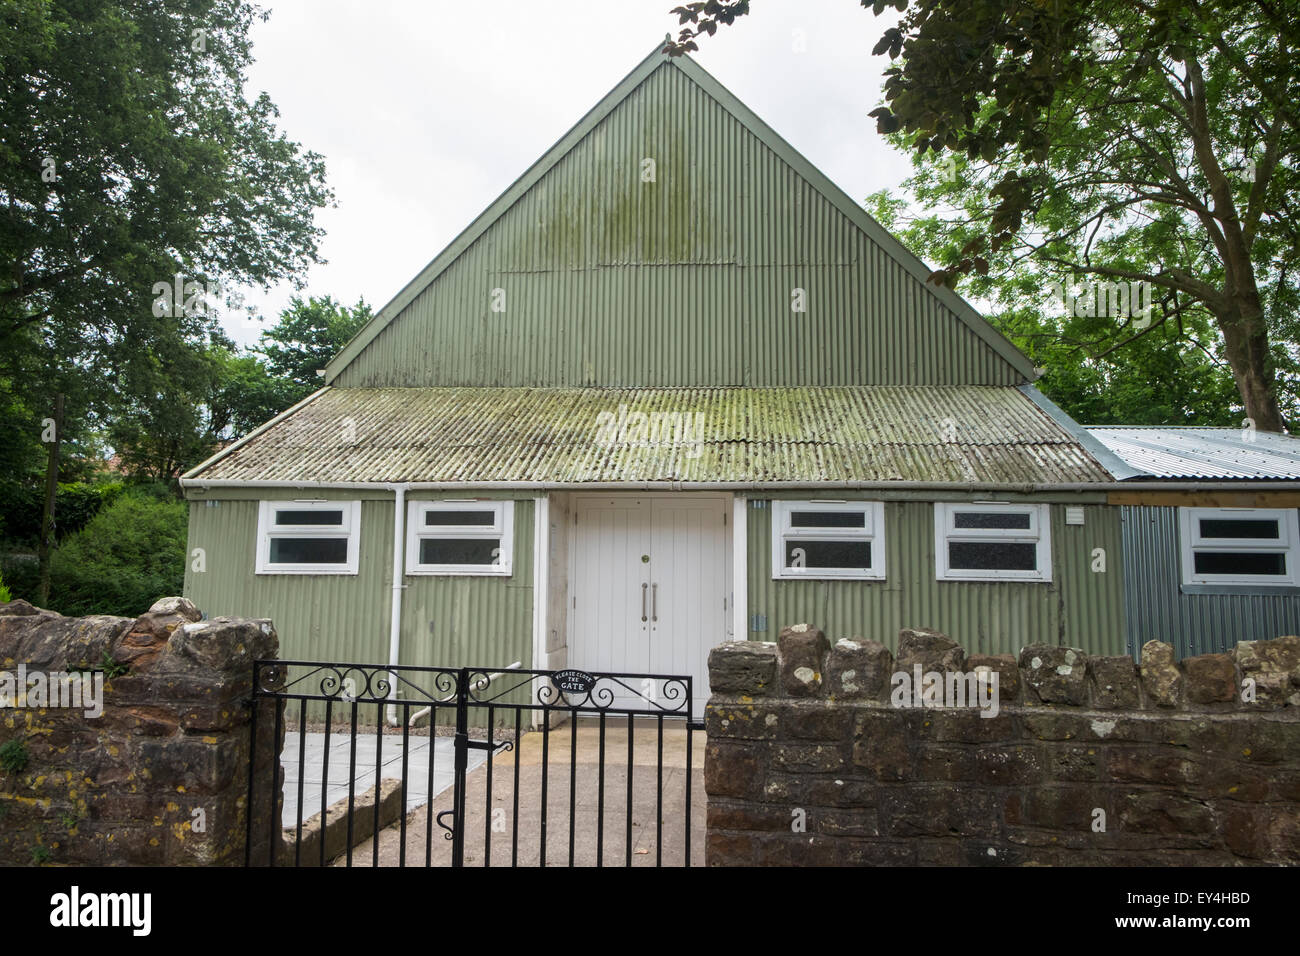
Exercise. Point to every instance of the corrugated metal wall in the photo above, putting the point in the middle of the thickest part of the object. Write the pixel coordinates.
(1079, 608)
(474, 621)
(609, 280)
(1193, 623)
(446, 621)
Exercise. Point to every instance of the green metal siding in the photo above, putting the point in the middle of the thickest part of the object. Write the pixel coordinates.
(446, 621)
(1160, 610)
(1080, 608)
(473, 621)
(612, 281)
(336, 617)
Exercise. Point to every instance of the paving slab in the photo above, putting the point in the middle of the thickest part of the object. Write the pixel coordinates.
(369, 752)
(603, 832)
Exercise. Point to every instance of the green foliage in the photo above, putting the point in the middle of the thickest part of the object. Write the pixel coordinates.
(1114, 141)
(1169, 375)
(76, 503)
(5, 595)
(112, 668)
(127, 556)
(187, 403)
(307, 336)
(169, 421)
(106, 665)
(131, 155)
(14, 756)
(40, 854)
(21, 575)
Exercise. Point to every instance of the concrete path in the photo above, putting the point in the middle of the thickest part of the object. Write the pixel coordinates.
(491, 824)
(417, 770)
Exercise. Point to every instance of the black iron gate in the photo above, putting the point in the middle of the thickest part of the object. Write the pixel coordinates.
(487, 712)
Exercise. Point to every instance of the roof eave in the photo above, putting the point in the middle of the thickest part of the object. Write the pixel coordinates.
(236, 445)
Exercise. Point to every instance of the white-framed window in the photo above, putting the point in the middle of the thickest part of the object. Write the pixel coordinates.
(976, 541)
(1242, 547)
(460, 537)
(308, 537)
(828, 539)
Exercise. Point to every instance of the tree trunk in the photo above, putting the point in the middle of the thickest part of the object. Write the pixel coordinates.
(47, 518)
(1245, 345)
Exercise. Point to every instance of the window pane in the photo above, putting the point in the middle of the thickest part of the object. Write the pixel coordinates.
(1239, 528)
(442, 518)
(1229, 562)
(828, 519)
(1014, 520)
(311, 517)
(828, 554)
(992, 556)
(309, 550)
(459, 551)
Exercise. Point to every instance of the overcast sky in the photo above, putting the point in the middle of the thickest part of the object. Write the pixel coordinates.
(426, 110)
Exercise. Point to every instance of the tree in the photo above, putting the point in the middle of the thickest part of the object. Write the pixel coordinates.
(124, 559)
(307, 336)
(1169, 376)
(172, 420)
(136, 182)
(1124, 141)
(185, 403)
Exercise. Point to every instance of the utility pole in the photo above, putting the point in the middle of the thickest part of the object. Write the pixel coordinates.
(51, 489)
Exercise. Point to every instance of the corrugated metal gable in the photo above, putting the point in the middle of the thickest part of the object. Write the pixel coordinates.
(609, 280)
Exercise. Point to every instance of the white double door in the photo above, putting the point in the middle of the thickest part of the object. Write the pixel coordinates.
(649, 583)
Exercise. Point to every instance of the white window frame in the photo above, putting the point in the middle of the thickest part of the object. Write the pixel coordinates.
(1038, 533)
(267, 530)
(502, 527)
(1191, 541)
(873, 531)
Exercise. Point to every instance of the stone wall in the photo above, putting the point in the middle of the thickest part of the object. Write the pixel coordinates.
(1087, 761)
(161, 775)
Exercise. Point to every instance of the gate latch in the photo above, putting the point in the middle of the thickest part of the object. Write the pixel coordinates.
(498, 746)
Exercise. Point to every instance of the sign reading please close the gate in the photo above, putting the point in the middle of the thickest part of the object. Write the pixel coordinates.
(573, 681)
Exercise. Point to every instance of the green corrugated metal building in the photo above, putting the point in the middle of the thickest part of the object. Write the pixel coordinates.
(672, 388)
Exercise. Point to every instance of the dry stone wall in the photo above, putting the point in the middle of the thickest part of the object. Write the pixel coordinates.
(824, 754)
(141, 754)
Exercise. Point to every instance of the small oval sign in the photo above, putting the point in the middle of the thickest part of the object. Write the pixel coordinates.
(573, 681)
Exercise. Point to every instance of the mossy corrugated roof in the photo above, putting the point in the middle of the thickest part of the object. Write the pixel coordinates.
(575, 436)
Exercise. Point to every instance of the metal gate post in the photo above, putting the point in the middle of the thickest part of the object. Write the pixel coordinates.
(461, 741)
